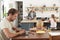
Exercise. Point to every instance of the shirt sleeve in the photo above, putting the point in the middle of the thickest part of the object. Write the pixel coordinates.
(3, 25)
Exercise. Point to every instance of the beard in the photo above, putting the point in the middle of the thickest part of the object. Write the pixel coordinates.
(12, 20)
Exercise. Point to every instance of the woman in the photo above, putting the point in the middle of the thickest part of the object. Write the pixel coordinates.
(53, 22)
(32, 15)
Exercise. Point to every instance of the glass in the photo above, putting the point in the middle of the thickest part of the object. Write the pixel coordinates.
(27, 33)
(49, 29)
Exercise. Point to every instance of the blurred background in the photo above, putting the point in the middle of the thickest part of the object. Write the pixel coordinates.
(25, 5)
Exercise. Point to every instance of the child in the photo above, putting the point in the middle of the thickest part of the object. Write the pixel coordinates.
(39, 26)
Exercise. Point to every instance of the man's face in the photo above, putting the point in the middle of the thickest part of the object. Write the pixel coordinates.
(13, 17)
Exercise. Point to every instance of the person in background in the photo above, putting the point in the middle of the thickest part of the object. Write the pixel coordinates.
(32, 15)
(39, 26)
(7, 26)
(53, 22)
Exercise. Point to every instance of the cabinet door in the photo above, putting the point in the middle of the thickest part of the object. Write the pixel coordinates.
(56, 38)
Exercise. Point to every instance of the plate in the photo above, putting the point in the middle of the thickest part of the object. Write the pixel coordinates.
(40, 32)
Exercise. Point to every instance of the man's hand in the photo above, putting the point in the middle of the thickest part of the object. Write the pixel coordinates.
(21, 31)
(18, 30)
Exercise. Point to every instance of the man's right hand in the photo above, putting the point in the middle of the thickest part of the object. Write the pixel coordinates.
(21, 31)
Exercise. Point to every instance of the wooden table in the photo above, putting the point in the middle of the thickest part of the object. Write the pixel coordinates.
(44, 36)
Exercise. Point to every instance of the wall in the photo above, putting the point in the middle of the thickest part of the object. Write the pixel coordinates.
(1, 12)
(26, 3)
(48, 3)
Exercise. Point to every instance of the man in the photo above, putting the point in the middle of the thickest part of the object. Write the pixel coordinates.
(32, 15)
(7, 25)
